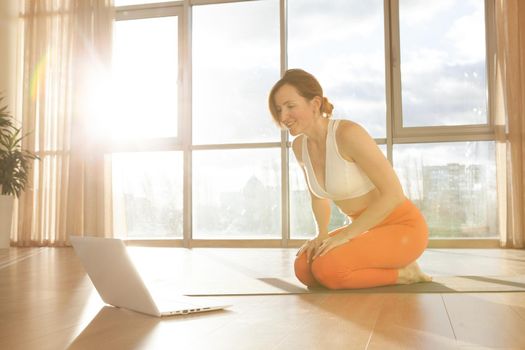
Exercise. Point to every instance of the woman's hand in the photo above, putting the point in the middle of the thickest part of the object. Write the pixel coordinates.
(310, 247)
(330, 243)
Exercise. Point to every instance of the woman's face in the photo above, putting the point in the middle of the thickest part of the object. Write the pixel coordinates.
(295, 112)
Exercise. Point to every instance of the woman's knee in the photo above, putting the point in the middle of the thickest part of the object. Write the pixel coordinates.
(414, 244)
(300, 263)
(303, 272)
(326, 272)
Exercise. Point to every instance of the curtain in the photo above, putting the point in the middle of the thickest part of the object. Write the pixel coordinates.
(66, 57)
(509, 101)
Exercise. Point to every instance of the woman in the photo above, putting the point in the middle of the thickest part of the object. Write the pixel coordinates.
(342, 163)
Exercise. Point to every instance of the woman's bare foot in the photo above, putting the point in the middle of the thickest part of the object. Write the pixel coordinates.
(412, 274)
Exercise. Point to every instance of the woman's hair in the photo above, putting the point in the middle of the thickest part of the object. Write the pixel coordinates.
(306, 85)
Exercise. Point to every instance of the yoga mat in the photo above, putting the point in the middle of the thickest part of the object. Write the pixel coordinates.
(278, 286)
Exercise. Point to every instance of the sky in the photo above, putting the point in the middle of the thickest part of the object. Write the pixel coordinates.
(236, 61)
(236, 56)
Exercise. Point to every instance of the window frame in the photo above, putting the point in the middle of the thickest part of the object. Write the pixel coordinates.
(395, 132)
(150, 11)
(403, 134)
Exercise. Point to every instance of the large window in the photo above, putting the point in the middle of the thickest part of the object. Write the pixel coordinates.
(146, 78)
(443, 70)
(235, 63)
(147, 185)
(147, 194)
(237, 193)
(198, 157)
(342, 44)
(453, 183)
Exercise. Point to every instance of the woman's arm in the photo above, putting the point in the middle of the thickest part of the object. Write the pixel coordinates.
(321, 209)
(320, 206)
(357, 145)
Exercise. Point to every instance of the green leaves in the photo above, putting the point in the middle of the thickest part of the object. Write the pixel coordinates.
(15, 162)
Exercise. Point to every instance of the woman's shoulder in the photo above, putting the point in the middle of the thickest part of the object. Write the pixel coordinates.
(351, 136)
(348, 128)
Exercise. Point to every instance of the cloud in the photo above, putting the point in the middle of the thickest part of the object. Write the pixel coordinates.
(467, 35)
(342, 44)
(415, 12)
(327, 24)
(353, 10)
(443, 153)
(451, 95)
(233, 24)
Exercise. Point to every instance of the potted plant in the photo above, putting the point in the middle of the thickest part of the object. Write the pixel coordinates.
(14, 168)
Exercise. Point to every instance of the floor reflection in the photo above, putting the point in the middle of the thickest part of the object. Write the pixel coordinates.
(115, 328)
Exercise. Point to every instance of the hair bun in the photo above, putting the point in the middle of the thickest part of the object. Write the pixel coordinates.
(326, 108)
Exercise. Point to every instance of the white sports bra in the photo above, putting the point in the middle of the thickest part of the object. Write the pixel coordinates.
(343, 179)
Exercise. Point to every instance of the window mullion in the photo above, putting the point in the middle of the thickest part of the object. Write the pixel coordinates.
(395, 67)
(389, 88)
(186, 124)
(285, 159)
(490, 42)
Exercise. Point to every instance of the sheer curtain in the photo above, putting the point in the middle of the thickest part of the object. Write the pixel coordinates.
(66, 57)
(510, 119)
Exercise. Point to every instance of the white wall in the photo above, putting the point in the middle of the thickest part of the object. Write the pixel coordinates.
(8, 47)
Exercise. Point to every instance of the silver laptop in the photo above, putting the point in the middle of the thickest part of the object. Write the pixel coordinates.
(109, 267)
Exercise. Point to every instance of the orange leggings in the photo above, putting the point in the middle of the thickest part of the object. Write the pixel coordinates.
(372, 258)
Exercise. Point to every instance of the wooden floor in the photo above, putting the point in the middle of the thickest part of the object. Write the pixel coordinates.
(47, 302)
